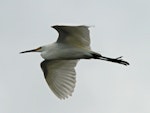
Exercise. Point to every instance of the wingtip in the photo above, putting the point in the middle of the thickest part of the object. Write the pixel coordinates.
(88, 26)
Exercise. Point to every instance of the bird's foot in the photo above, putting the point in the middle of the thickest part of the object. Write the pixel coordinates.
(121, 61)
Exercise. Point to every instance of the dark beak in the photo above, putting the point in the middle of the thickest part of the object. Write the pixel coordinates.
(32, 50)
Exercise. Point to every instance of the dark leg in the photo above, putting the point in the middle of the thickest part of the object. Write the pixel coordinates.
(115, 60)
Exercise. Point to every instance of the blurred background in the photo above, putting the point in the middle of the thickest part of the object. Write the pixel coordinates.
(121, 28)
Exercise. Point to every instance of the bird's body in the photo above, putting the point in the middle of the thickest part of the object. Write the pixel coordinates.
(62, 56)
(58, 51)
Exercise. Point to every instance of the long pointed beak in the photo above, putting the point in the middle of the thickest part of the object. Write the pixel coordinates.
(32, 50)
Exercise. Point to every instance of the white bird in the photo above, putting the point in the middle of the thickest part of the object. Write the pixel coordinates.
(62, 56)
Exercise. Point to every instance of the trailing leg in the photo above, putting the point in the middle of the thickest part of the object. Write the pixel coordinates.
(115, 60)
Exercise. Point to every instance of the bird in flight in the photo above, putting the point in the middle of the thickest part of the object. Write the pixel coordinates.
(61, 57)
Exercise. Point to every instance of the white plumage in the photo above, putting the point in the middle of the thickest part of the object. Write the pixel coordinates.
(62, 56)
(60, 76)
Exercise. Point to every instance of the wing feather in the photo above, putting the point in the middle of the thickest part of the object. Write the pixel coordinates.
(74, 35)
(60, 76)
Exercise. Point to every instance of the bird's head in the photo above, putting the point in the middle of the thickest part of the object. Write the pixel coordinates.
(39, 49)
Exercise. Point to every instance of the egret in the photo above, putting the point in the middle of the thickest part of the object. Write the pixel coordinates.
(61, 57)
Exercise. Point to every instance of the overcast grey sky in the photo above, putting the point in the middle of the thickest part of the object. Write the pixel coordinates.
(122, 28)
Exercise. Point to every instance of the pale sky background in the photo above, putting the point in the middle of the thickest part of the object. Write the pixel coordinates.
(122, 28)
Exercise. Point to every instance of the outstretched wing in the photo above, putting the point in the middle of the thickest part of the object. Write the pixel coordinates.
(60, 76)
(74, 35)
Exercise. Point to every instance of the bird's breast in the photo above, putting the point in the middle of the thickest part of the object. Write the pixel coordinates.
(60, 52)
